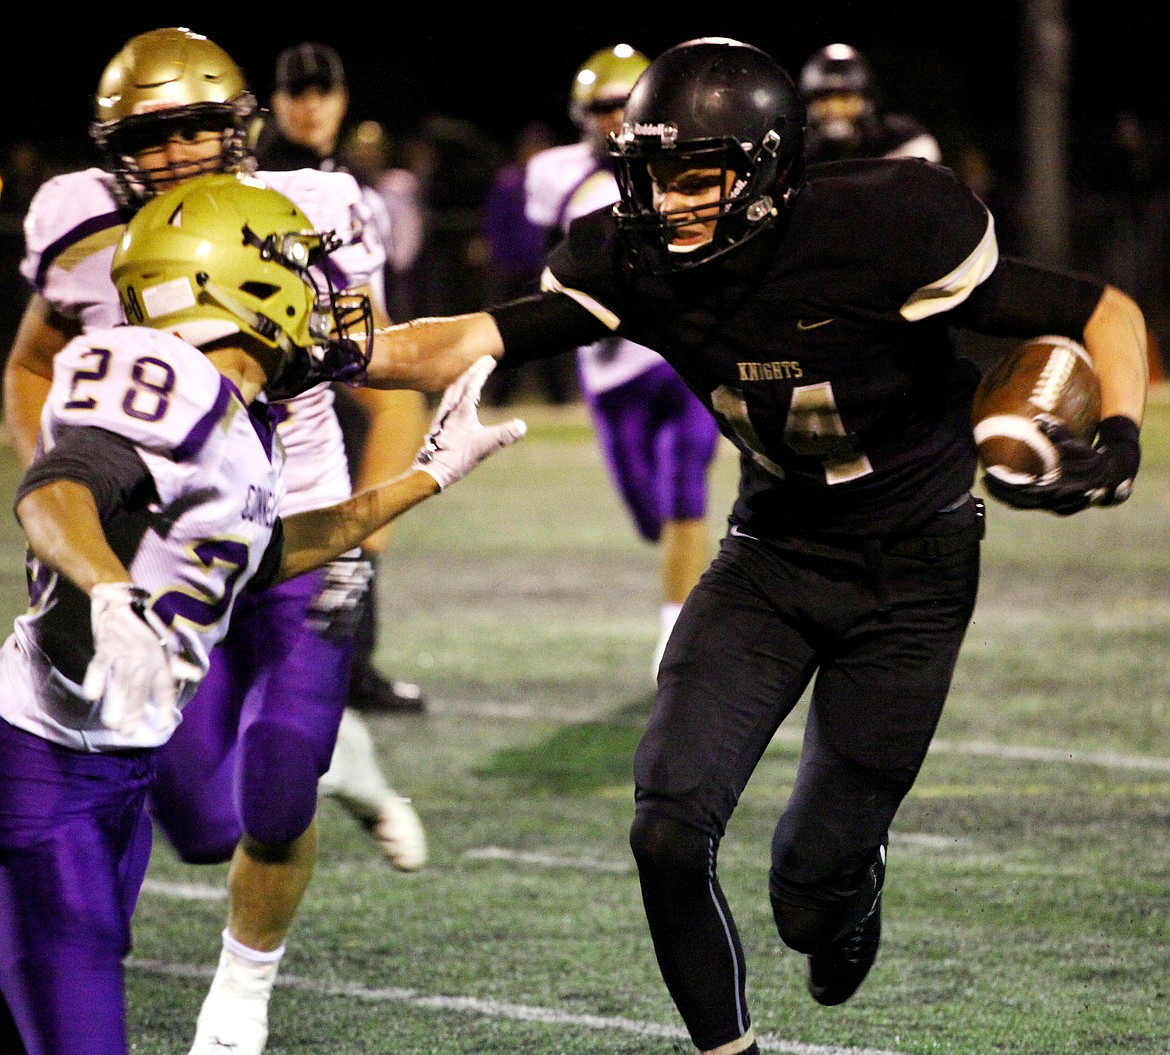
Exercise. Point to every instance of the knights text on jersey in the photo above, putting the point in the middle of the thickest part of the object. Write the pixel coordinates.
(822, 346)
(216, 472)
(73, 226)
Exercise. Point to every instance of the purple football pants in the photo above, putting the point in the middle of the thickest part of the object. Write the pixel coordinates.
(658, 441)
(74, 846)
(259, 733)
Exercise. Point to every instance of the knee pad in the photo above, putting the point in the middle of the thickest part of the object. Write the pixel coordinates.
(277, 792)
(662, 844)
(201, 831)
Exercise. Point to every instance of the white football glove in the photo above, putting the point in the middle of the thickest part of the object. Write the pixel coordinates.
(133, 659)
(458, 441)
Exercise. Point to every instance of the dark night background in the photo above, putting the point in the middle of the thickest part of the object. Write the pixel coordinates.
(955, 65)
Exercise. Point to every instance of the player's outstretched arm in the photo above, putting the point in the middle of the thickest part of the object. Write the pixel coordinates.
(429, 354)
(456, 443)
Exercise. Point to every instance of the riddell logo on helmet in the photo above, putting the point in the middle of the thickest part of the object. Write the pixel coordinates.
(667, 132)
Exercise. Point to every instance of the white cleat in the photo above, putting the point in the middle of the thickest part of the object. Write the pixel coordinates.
(355, 781)
(234, 1016)
(399, 834)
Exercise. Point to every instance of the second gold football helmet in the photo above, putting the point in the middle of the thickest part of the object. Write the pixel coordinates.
(164, 84)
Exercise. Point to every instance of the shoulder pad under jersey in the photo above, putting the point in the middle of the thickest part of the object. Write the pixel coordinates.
(70, 231)
(333, 201)
(154, 389)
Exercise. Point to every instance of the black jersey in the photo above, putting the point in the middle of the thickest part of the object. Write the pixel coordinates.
(874, 136)
(822, 347)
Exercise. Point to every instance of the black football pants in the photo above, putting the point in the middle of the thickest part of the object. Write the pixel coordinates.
(879, 626)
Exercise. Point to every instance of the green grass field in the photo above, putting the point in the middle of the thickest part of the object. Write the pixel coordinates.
(1026, 904)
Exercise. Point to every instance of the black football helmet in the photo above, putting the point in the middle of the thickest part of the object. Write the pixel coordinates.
(711, 102)
(841, 93)
(837, 69)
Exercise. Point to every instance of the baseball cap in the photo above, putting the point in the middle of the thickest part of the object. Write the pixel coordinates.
(309, 65)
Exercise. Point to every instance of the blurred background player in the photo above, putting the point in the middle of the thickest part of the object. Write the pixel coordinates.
(144, 534)
(515, 257)
(658, 440)
(310, 100)
(368, 152)
(172, 105)
(846, 118)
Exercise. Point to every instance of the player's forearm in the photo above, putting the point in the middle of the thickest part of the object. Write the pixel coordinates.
(28, 373)
(428, 354)
(397, 424)
(1115, 338)
(24, 394)
(315, 537)
(61, 522)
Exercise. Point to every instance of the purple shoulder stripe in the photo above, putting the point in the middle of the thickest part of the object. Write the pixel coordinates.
(197, 437)
(83, 230)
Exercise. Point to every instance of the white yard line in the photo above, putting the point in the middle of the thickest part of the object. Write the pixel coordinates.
(494, 1009)
(184, 891)
(544, 860)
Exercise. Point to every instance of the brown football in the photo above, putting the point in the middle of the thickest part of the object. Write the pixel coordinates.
(1045, 377)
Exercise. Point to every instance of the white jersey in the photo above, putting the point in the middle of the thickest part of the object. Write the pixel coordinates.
(560, 184)
(74, 224)
(216, 470)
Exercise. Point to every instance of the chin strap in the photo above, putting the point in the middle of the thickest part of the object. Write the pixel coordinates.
(255, 321)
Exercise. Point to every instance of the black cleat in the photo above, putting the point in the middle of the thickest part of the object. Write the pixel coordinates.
(835, 974)
(374, 694)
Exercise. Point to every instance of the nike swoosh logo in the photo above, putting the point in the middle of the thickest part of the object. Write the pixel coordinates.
(802, 325)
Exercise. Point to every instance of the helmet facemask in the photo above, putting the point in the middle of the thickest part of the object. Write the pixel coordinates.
(340, 325)
(122, 142)
(746, 205)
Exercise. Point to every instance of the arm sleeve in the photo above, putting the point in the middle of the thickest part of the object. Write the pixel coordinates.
(544, 324)
(1021, 299)
(107, 464)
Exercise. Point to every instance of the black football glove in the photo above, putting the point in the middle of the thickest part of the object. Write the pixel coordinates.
(336, 610)
(1099, 474)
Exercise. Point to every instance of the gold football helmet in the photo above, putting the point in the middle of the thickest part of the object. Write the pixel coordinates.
(604, 80)
(164, 85)
(226, 254)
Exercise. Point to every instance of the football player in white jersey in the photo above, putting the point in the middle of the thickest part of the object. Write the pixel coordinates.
(152, 511)
(171, 106)
(657, 438)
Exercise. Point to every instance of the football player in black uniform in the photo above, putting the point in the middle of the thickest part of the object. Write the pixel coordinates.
(845, 114)
(812, 318)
